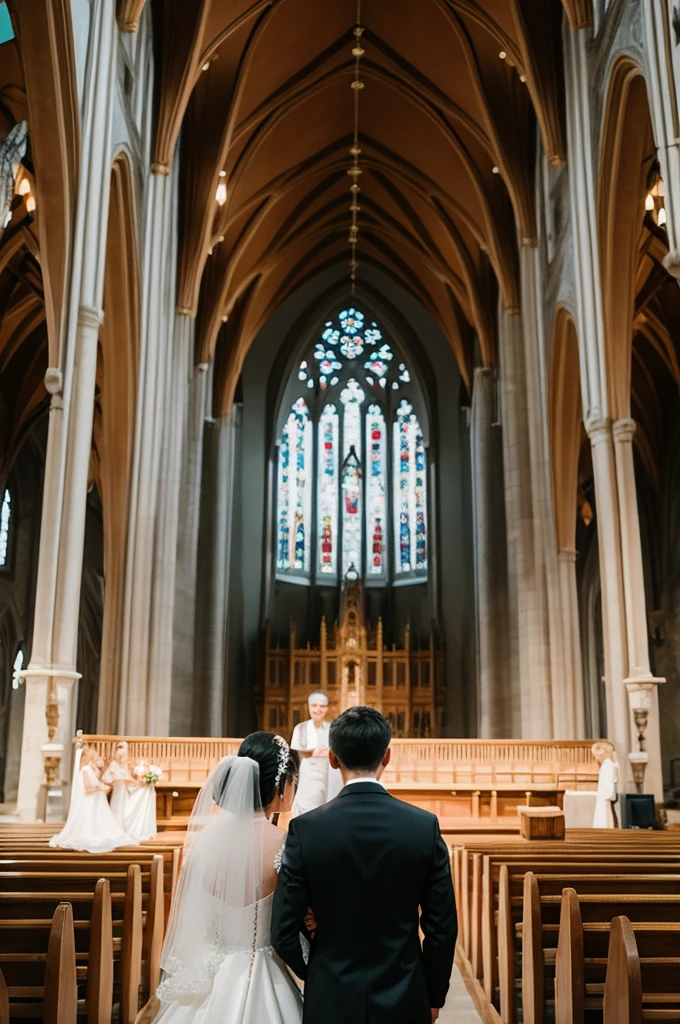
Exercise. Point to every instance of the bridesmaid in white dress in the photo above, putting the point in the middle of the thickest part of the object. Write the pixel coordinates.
(140, 809)
(119, 777)
(90, 825)
(218, 962)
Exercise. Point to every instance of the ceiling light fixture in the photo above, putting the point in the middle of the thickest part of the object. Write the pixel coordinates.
(221, 193)
(502, 55)
(649, 202)
(355, 170)
(495, 170)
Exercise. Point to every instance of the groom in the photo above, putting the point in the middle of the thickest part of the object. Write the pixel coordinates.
(372, 869)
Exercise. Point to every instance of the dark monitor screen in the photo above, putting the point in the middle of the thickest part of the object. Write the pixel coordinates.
(638, 810)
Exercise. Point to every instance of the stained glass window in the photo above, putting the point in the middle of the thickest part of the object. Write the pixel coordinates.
(344, 471)
(294, 491)
(351, 397)
(376, 487)
(5, 515)
(410, 478)
(328, 490)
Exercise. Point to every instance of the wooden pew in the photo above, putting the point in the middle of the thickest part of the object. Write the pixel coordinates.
(584, 945)
(26, 916)
(55, 1000)
(477, 874)
(25, 969)
(70, 875)
(476, 880)
(538, 943)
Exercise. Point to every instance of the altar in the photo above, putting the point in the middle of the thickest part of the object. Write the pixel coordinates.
(472, 785)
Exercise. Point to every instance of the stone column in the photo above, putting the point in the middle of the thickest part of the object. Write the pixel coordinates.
(571, 645)
(489, 559)
(531, 703)
(165, 561)
(640, 683)
(200, 388)
(613, 605)
(137, 707)
(213, 571)
(51, 675)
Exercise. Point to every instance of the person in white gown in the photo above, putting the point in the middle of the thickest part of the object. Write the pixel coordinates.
(218, 963)
(140, 808)
(90, 825)
(118, 776)
(607, 783)
(318, 783)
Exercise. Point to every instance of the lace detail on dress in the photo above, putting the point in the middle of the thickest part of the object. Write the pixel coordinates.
(278, 859)
(181, 981)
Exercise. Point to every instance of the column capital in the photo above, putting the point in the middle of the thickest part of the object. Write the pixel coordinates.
(158, 168)
(598, 430)
(566, 555)
(183, 311)
(624, 429)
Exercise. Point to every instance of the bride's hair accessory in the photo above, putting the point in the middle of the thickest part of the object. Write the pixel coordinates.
(284, 759)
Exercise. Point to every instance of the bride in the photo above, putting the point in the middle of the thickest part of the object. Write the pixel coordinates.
(219, 966)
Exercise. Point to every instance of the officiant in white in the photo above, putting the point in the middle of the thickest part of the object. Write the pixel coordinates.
(318, 782)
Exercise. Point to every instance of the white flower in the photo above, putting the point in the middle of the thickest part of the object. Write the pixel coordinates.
(155, 770)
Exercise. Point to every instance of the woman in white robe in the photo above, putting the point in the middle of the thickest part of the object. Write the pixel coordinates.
(607, 784)
(318, 782)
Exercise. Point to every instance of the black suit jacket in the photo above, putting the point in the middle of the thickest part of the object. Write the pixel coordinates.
(372, 868)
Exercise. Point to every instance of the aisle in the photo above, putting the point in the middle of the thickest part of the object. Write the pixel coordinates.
(459, 1007)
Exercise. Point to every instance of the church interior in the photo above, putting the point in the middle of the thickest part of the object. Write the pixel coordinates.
(340, 352)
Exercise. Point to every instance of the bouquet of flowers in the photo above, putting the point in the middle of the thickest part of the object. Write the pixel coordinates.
(149, 774)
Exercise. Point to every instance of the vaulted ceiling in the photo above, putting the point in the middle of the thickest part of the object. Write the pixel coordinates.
(259, 94)
(261, 89)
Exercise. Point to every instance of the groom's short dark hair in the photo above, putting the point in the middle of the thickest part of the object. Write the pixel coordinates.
(359, 738)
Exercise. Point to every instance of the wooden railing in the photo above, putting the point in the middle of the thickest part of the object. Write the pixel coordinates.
(475, 763)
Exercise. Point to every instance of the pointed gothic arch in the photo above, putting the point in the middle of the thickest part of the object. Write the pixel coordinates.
(114, 427)
(626, 154)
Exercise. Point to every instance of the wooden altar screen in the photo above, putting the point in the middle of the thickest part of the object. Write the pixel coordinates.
(470, 784)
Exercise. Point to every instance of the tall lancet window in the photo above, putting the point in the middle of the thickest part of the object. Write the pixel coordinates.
(376, 488)
(329, 429)
(352, 461)
(294, 491)
(410, 507)
(352, 398)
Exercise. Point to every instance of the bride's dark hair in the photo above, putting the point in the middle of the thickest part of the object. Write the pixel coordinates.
(270, 754)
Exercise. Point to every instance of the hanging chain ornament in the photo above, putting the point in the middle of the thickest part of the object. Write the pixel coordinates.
(355, 170)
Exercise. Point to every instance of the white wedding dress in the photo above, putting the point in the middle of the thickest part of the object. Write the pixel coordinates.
(218, 963)
(243, 980)
(140, 812)
(90, 825)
